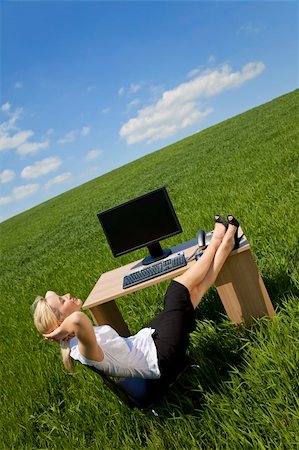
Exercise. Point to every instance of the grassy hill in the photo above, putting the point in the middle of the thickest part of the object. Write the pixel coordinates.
(244, 395)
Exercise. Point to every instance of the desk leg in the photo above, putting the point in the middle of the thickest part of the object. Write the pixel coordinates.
(109, 314)
(242, 290)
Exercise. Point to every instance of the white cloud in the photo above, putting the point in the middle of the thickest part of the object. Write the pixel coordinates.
(193, 73)
(85, 131)
(24, 191)
(5, 107)
(10, 124)
(197, 70)
(132, 89)
(105, 110)
(179, 108)
(41, 168)
(133, 103)
(5, 200)
(68, 138)
(249, 28)
(19, 85)
(58, 179)
(12, 138)
(93, 154)
(7, 175)
(31, 147)
(13, 142)
(20, 192)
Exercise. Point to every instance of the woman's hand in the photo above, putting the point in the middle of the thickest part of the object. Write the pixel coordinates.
(78, 324)
(59, 334)
(65, 329)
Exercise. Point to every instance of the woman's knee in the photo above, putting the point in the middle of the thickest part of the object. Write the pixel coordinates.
(196, 295)
(182, 279)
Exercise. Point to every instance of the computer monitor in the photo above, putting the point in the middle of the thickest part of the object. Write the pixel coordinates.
(141, 222)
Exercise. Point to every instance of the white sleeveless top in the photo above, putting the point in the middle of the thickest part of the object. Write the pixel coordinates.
(134, 356)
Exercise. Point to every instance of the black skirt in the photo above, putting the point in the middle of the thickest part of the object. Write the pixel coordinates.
(172, 329)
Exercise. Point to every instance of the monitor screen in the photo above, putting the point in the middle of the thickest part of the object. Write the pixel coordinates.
(140, 222)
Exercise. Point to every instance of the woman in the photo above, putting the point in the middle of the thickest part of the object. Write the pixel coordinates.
(158, 349)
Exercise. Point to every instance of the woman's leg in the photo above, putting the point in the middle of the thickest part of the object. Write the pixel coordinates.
(196, 274)
(221, 255)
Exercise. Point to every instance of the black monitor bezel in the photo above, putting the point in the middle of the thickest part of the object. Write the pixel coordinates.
(149, 243)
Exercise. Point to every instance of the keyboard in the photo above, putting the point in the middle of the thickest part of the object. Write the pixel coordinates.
(154, 270)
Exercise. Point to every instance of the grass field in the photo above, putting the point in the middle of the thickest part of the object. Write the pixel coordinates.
(244, 395)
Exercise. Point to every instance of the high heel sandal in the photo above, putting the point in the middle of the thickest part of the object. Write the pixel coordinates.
(220, 219)
(233, 221)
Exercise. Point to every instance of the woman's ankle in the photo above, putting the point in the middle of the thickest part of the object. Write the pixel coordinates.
(215, 241)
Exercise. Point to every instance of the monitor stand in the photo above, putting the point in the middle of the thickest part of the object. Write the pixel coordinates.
(156, 253)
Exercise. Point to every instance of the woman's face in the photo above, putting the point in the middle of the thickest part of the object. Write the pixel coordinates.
(65, 304)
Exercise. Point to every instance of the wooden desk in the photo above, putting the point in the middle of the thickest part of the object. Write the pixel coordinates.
(239, 285)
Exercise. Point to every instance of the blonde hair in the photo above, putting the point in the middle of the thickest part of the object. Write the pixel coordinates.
(46, 319)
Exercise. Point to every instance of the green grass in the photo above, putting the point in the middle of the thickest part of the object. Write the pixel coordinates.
(244, 395)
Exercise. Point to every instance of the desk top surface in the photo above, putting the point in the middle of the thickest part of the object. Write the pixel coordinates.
(109, 285)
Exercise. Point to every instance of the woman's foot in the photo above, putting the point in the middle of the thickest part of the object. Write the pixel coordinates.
(220, 219)
(232, 232)
(219, 230)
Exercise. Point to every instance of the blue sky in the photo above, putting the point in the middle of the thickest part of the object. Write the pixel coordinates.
(89, 86)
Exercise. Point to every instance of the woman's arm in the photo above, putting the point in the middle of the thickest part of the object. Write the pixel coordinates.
(78, 324)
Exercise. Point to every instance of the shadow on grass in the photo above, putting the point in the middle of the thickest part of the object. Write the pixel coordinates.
(219, 347)
(188, 395)
(279, 287)
(211, 308)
